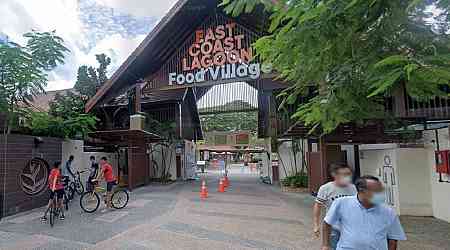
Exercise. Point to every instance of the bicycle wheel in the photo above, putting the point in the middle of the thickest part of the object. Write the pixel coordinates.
(79, 188)
(70, 192)
(120, 199)
(66, 202)
(89, 202)
(52, 216)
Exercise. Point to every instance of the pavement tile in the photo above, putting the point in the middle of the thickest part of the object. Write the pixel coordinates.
(202, 233)
(111, 216)
(140, 203)
(25, 218)
(250, 215)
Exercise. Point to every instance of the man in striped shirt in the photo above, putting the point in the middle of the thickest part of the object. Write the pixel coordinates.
(341, 187)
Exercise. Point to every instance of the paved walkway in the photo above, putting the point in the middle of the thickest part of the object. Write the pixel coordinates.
(249, 215)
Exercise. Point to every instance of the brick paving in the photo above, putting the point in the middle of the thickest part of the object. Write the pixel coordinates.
(250, 215)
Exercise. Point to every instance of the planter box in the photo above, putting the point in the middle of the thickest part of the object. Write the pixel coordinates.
(294, 190)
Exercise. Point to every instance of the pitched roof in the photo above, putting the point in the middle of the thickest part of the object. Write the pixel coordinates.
(164, 40)
(41, 103)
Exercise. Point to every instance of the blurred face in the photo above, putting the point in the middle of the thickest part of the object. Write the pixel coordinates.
(343, 176)
(374, 194)
(102, 162)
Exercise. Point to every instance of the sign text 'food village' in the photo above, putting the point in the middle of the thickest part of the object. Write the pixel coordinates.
(219, 54)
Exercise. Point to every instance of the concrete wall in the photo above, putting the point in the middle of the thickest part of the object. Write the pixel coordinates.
(412, 190)
(440, 192)
(81, 161)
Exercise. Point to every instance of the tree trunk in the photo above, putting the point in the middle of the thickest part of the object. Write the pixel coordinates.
(282, 164)
(302, 151)
(163, 164)
(170, 161)
(294, 152)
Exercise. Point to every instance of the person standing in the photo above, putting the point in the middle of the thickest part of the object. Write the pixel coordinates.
(107, 174)
(67, 169)
(366, 223)
(328, 193)
(93, 173)
(56, 188)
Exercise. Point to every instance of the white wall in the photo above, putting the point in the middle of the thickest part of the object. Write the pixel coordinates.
(81, 161)
(372, 160)
(414, 186)
(440, 192)
(412, 189)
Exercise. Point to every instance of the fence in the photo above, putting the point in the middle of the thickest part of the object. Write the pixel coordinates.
(24, 167)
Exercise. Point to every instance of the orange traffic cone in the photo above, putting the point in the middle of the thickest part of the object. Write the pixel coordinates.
(226, 182)
(204, 191)
(221, 186)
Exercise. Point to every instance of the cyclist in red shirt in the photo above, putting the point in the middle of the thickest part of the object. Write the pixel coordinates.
(108, 174)
(56, 188)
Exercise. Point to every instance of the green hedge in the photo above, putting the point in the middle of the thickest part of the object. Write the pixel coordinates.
(295, 181)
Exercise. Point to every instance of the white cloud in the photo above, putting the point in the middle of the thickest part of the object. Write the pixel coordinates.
(20, 16)
(141, 7)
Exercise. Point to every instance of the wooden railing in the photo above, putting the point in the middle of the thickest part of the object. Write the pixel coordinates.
(404, 106)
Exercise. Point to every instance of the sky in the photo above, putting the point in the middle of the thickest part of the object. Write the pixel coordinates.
(88, 27)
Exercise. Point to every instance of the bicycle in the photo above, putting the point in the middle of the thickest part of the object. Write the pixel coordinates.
(54, 210)
(69, 193)
(90, 201)
(76, 184)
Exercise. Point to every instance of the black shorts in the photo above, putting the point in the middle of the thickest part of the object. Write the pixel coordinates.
(110, 185)
(59, 194)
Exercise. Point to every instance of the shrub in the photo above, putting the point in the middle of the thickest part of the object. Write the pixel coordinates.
(296, 181)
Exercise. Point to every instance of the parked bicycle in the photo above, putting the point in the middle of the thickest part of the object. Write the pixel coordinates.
(90, 201)
(69, 193)
(76, 184)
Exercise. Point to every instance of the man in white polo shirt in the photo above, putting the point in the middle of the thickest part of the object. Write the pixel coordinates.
(328, 193)
(365, 222)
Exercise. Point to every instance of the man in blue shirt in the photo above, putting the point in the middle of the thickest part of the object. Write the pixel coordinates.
(66, 171)
(365, 222)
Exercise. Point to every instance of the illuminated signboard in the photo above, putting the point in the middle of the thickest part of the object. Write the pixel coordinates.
(217, 53)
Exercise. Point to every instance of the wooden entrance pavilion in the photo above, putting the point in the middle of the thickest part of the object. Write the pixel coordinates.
(197, 46)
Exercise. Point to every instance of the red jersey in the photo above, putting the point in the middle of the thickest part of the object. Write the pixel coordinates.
(108, 173)
(55, 173)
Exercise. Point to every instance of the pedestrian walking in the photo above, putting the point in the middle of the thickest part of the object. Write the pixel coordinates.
(365, 222)
(340, 187)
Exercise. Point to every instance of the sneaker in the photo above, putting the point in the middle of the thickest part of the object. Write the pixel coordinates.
(62, 217)
(44, 219)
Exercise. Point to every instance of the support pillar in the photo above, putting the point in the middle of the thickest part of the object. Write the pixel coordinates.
(323, 160)
(138, 170)
(357, 170)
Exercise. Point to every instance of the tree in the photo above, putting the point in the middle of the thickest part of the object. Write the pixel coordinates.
(44, 124)
(66, 105)
(230, 121)
(23, 69)
(89, 79)
(353, 53)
